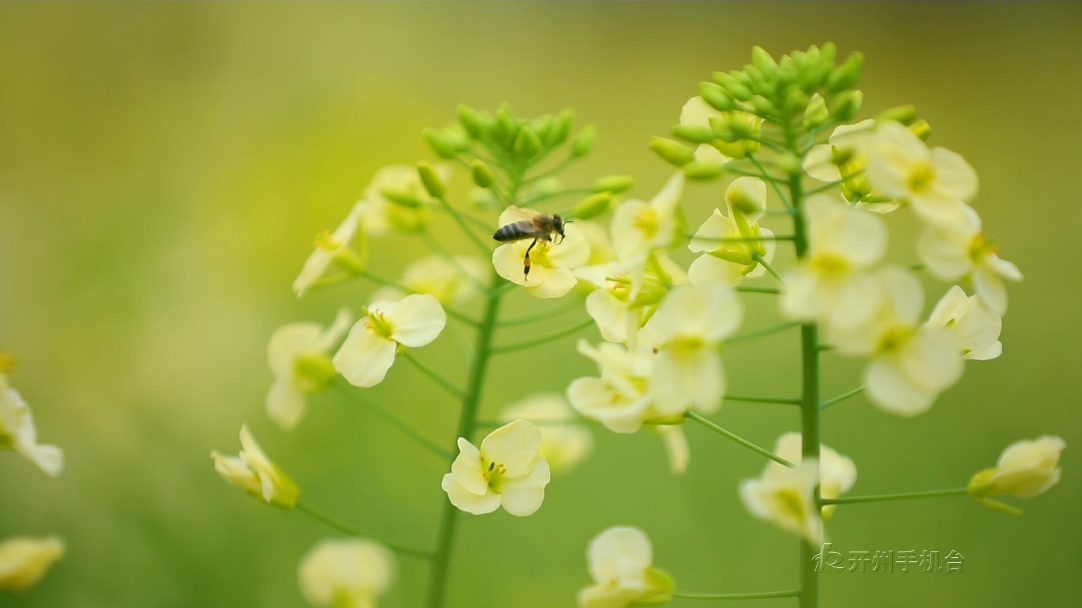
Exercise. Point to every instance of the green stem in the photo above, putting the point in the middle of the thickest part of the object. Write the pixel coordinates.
(550, 195)
(849, 500)
(758, 595)
(437, 590)
(774, 183)
(842, 397)
(441, 251)
(737, 438)
(462, 224)
(752, 289)
(337, 524)
(781, 400)
(759, 258)
(773, 329)
(438, 379)
(507, 348)
(573, 304)
(351, 392)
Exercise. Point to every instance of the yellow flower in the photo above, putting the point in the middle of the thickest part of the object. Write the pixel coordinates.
(369, 349)
(346, 573)
(786, 499)
(620, 561)
(18, 432)
(697, 113)
(450, 282)
(620, 398)
(963, 250)
(685, 333)
(564, 445)
(508, 470)
(551, 262)
(410, 212)
(728, 262)
(254, 473)
(1025, 469)
(335, 247)
(828, 284)
(837, 473)
(911, 363)
(24, 560)
(298, 355)
(936, 182)
(974, 325)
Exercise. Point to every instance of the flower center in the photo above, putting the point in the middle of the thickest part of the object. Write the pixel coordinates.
(493, 473)
(895, 339)
(377, 322)
(687, 345)
(7, 362)
(981, 247)
(830, 264)
(648, 222)
(921, 176)
(312, 371)
(790, 502)
(327, 241)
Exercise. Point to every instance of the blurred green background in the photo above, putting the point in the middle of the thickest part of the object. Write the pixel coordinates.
(163, 168)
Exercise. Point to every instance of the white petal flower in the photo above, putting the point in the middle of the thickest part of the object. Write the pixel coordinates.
(381, 214)
(18, 432)
(638, 228)
(727, 262)
(508, 470)
(786, 499)
(685, 332)
(676, 447)
(843, 243)
(346, 245)
(348, 572)
(25, 560)
(974, 325)
(551, 262)
(620, 398)
(369, 349)
(299, 358)
(563, 446)
(837, 473)
(1025, 469)
(451, 281)
(253, 472)
(937, 182)
(620, 561)
(618, 315)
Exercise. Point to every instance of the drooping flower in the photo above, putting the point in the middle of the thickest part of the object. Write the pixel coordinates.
(963, 250)
(254, 473)
(346, 247)
(17, 429)
(697, 113)
(369, 349)
(837, 473)
(620, 561)
(25, 560)
(564, 441)
(451, 281)
(727, 262)
(397, 200)
(911, 363)
(786, 498)
(299, 358)
(508, 470)
(974, 325)
(551, 262)
(828, 284)
(936, 182)
(1025, 469)
(620, 398)
(685, 333)
(346, 573)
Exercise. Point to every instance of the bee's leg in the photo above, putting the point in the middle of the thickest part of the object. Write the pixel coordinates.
(526, 260)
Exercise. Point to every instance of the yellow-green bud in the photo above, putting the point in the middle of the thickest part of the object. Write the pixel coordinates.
(816, 114)
(473, 121)
(694, 133)
(763, 106)
(584, 141)
(763, 60)
(561, 128)
(790, 164)
(593, 205)
(921, 129)
(527, 144)
(703, 170)
(481, 174)
(432, 182)
(614, 183)
(716, 96)
(672, 151)
(827, 54)
(733, 86)
(505, 126)
(904, 114)
(403, 198)
(846, 74)
(847, 105)
(439, 143)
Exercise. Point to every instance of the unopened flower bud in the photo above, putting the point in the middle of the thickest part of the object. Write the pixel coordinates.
(584, 141)
(475, 123)
(527, 143)
(698, 134)
(733, 86)
(846, 74)
(440, 144)
(796, 101)
(703, 170)
(561, 128)
(816, 113)
(762, 60)
(921, 129)
(614, 183)
(432, 182)
(672, 151)
(481, 174)
(763, 106)
(593, 205)
(904, 114)
(716, 96)
(790, 164)
(847, 105)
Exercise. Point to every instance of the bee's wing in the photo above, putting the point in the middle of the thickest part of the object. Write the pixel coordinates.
(514, 214)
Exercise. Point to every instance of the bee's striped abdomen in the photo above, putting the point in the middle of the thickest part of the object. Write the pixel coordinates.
(514, 232)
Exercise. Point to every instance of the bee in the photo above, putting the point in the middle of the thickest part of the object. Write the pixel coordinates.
(537, 226)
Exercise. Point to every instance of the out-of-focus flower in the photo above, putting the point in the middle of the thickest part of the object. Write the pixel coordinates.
(676, 447)
(963, 250)
(254, 473)
(564, 442)
(299, 358)
(369, 349)
(697, 113)
(727, 262)
(346, 246)
(508, 470)
(974, 325)
(346, 573)
(617, 314)
(1025, 469)
(638, 227)
(685, 332)
(837, 473)
(17, 430)
(846, 155)
(936, 182)
(551, 262)
(786, 499)
(397, 200)
(25, 560)
(620, 561)
(620, 398)
(451, 281)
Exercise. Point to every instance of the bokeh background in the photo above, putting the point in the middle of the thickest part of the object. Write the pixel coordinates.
(163, 168)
